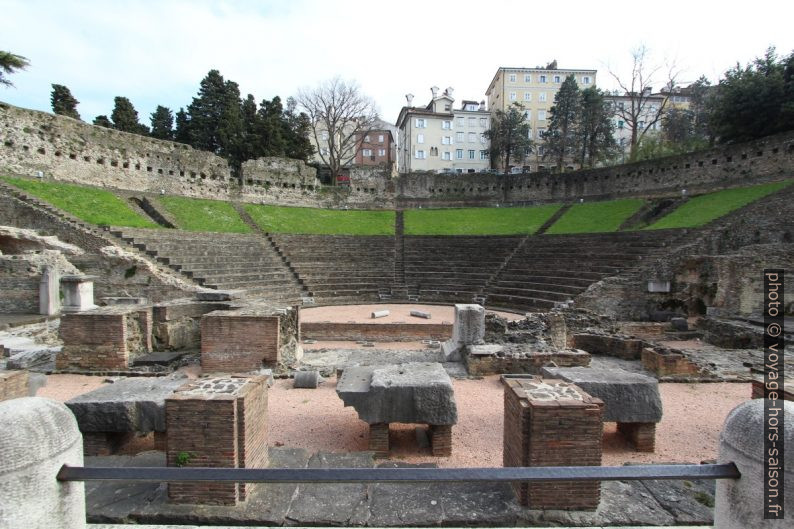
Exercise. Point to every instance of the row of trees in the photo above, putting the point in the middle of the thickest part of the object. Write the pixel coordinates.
(217, 120)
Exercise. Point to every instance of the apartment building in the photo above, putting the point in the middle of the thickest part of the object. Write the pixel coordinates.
(441, 138)
(376, 147)
(534, 89)
(650, 107)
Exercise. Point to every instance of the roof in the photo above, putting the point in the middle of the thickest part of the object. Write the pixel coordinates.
(524, 69)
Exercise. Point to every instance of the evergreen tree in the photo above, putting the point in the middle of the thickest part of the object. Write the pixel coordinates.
(230, 126)
(509, 135)
(162, 123)
(125, 117)
(63, 102)
(10, 63)
(596, 140)
(273, 127)
(182, 132)
(561, 135)
(299, 127)
(103, 121)
(754, 101)
(204, 113)
(251, 144)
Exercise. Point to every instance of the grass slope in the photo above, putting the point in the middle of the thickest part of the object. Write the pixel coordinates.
(90, 204)
(477, 221)
(195, 214)
(280, 219)
(595, 217)
(702, 209)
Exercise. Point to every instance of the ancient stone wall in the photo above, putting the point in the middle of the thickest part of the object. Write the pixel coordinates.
(232, 342)
(390, 332)
(68, 149)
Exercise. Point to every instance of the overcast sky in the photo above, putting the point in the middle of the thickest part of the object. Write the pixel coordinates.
(157, 52)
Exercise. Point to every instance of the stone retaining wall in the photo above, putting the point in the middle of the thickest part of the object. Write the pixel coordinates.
(378, 332)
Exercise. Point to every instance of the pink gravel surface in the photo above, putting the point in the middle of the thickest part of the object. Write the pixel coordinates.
(401, 346)
(65, 387)
(316, 420)
(400, 312)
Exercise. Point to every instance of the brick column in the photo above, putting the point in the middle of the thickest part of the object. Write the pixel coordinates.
(642, 435)
(441, 439)
(235, 343)
(379, 439)
(552, 423)
(217, 422)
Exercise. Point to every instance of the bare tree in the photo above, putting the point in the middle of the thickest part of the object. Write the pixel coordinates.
(340, 117)
(638, 110)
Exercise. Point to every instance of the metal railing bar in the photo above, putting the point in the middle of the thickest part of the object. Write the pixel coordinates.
(385, 475)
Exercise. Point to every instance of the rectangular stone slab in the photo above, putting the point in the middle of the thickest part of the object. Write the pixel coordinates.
(134, 404)
(627, 396)
(407, 393)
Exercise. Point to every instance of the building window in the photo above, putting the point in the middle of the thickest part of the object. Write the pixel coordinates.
(420, 138)
(471, 154)
(620, 124)
(541, 152)
(324, 151)
(483, 155)
(542, 78)
(460, 137)
(459, 154)
(367, 152)
(541, 132)
(447, 107)
(366, 138)
(527, 96)
(421, 123)
(381, 152)
(557, 79)
(472, 137)
(512, 96)
(482, 139)
(446, 155)
(529, 134)
(380, 138)
(586, 79)
(483, 122)
(542, 97)
(528, 115)
(641, 124)
(621, 105)
(541, 115)
(527, 78)
(446, 140)
(433, 151)
(420, 155)
(446, 124)
(472, 122)
(512, 78)
(324, 135)
(461, 121)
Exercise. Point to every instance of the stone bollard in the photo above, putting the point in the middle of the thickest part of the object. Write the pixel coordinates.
(307, 379)
(739, 503)
(37, 437)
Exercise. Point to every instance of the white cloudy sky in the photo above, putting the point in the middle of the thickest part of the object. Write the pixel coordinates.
(156, 52)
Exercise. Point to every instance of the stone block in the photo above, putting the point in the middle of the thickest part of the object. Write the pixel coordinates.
(135, 404)
(408, 393)
(420, 314)
(307, 379)
(469, 326)
(679, 324)
(50, 292)
(628, 397)
(658, 286)
(380, 314)
(78, 293)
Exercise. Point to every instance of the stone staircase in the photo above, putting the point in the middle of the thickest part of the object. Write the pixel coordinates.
(223, 261)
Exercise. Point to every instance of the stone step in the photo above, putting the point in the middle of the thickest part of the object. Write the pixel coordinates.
(528, 293)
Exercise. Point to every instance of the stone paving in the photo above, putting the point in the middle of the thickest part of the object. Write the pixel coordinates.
(385, 505)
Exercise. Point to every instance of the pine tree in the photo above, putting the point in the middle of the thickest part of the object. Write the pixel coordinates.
(63, 102)
(230, 125)
(251, 144)
(182, 132)
(10, 63)
(125, 117)
(273, 127)
(596, 140)
(560, 137)
(204, 113)
(103, 121)
(299, 127)
(162, 123)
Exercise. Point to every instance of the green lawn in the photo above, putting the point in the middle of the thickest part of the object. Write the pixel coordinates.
(280, 219)
(596, 217)
(196, 214)
(90, 204)
(477, 221)
(702, 209)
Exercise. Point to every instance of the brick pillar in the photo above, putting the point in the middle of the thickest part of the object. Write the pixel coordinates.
(217, 422)
(552, 423)
(379, 439)
(642, 435)
(235, 343)
(13, 384)
(441, 439)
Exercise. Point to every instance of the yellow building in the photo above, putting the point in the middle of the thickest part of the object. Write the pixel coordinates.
(534, 89)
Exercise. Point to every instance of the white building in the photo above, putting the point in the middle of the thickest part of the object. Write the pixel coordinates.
(440, 138)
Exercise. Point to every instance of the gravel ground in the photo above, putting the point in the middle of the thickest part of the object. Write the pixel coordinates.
(315, 419)
(400, 312)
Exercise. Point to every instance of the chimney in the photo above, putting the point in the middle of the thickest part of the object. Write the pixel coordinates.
(449, 91)
(409, 98)
(434, 90)
(647, 91)
(482, 105)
